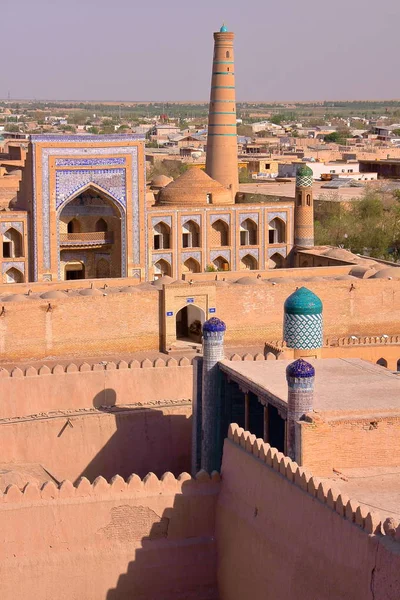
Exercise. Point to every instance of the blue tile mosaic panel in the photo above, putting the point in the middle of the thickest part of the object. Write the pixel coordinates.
(70, 181)
(90, 162)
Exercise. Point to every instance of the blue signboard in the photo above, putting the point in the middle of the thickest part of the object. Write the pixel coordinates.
(170, 313)
(212, 310)
(190, 300)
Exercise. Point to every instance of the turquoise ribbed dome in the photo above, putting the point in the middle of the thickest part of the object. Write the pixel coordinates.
(303, 302)
(304, 171)
(223, 28)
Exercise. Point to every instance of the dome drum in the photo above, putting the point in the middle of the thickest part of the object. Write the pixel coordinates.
(302, 326)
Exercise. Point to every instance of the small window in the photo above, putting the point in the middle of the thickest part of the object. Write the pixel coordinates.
(299, 200)
(271, 236)
(244, 238)
(6, 249)
(185, 240)
(157, 242)
(308, 200)
(228, 69)
(267, 166)
(209, 198)
(227, 54)
(101, 225)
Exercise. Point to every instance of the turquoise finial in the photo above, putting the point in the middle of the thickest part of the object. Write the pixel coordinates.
(223, 28)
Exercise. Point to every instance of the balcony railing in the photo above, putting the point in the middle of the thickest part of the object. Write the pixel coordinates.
(90, 237)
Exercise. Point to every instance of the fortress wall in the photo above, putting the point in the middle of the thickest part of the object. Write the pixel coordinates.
(28, 390)
(294, 537)
(40, 287)
(254, 313)
(130, 440)
(136, 539)
(372, 353)
(76, 326)
(335, 269)
(351, 443)
(120, 322)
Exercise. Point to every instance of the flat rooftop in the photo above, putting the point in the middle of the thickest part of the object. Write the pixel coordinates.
(343, 387)
(286, 189)
(377, 488)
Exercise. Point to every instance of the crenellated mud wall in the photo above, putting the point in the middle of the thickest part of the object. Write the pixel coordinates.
(295, 537)
(140, 539)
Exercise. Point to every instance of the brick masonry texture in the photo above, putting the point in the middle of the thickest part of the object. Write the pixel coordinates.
(133, 322)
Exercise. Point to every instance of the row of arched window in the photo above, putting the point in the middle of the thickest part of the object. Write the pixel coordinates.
(74, 226)
(191, 265)
(383, 363)
(191, 234)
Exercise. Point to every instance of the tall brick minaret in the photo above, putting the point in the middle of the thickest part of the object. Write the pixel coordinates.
(304, 208)
(222, 160)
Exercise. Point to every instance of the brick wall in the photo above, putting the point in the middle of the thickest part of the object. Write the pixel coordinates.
(99, 419)
(121, 322)
(352, 443)
(283, 534)
(128, 539)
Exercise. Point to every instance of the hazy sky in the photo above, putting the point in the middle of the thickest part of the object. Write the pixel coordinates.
(162, 49)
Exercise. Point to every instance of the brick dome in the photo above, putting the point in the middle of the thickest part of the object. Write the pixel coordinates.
(160, 181)
(393, 272)
(194, 188)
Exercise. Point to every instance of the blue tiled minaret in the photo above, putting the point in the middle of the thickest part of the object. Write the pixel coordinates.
(300, 378)
(213, 351)
(302, 325)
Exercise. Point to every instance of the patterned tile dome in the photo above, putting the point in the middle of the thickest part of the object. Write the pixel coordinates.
(214, 324)
(300, 369)
(303, 302)
(304, 176)
(302, 325)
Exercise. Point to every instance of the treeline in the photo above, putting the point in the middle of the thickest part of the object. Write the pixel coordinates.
(368, 226)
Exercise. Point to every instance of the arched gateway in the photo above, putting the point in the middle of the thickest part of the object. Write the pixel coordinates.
(90, 236)
(189, 321)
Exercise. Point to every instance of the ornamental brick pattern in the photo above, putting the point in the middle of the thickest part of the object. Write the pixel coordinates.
(221, 160)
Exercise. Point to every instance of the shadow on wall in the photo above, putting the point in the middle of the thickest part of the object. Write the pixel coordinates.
(145, 440)
(177, 559)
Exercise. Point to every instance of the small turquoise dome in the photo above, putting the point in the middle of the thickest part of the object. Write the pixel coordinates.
(304, 170)
(303, 302)
(223, 28)
(300, 369)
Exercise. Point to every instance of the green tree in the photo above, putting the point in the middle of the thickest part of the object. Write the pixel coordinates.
(370, 225)
(278, 118)
(169, 168)
(245, 130)
(245, 176)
